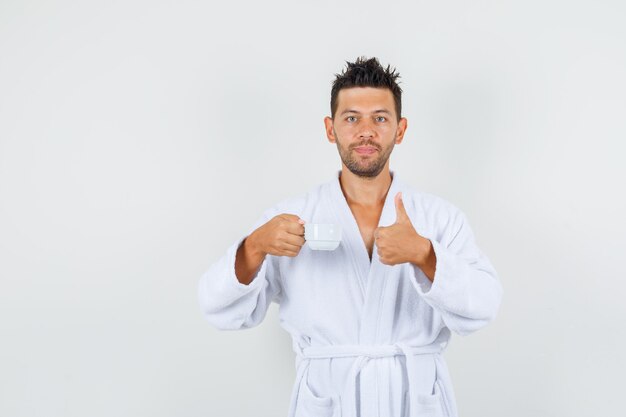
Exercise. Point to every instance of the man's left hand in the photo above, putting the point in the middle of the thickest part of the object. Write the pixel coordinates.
(400, 243)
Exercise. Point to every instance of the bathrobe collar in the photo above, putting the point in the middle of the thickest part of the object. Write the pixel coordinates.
(371, 275)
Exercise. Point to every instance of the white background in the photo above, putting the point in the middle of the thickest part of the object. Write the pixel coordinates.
(139, 139)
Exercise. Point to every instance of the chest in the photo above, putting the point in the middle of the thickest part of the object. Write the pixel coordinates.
(367, 219)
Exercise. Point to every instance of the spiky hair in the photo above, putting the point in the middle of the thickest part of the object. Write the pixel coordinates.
(366, 72)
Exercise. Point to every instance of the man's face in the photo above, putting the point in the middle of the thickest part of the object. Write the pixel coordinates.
(365, 129)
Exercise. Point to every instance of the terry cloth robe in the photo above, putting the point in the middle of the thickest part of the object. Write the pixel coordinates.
(368, 337)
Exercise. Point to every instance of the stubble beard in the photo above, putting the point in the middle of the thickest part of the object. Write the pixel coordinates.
(364, 167)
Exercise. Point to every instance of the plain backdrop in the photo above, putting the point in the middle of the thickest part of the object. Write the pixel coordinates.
(139, 139)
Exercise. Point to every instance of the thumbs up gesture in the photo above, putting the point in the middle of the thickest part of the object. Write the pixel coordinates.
(400, 243)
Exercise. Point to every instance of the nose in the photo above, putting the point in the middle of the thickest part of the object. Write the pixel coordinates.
(366, 129)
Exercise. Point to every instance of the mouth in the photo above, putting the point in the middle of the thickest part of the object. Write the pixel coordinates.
(365, 150)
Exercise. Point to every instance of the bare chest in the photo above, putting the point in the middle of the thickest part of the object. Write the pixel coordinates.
(367, 219)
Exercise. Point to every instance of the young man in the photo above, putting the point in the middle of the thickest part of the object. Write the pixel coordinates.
(369, 320)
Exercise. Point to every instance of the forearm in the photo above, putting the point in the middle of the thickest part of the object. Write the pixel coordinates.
(247, 261)
(426, 259)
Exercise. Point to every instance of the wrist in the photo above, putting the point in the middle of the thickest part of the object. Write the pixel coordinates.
(422, 252)
(253, 247)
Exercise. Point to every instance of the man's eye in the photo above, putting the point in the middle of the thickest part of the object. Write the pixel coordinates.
(381, 117)
(349, 118)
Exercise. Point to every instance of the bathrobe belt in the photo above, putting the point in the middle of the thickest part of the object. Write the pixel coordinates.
(364, 354)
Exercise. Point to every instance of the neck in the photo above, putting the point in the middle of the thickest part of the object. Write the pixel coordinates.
(365, 191)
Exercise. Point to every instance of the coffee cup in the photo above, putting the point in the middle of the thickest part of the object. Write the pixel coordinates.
(322, 236)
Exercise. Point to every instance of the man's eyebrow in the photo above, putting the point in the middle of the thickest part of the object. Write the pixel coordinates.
(358, 112)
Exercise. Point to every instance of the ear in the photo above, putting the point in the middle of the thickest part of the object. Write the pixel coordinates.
(330, 134)
(402, 125)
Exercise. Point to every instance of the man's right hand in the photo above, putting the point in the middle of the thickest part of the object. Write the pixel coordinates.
(283, 235)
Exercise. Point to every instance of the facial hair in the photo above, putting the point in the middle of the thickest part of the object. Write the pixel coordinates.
(362, 167)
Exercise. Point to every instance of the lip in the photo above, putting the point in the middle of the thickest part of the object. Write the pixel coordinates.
(365, 150)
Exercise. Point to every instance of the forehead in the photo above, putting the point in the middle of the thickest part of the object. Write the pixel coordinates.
(365, 99)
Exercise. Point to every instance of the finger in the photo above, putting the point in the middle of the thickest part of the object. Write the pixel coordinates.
(295, 240)
(295, 229)
(289, 247)
(381, 256)
(285, 252)
(401, 215)
(292, 217)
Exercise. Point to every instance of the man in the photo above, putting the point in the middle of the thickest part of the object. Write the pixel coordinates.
(369, 320)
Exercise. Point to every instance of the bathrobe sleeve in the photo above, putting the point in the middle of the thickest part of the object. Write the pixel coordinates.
(466, 289)
(230, 305)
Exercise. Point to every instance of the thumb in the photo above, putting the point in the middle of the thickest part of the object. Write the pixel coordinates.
(401, 216)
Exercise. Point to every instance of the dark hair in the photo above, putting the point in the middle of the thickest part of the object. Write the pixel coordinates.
(366, 73)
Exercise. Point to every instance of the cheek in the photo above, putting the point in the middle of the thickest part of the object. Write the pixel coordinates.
(388, 129)
(344, 130)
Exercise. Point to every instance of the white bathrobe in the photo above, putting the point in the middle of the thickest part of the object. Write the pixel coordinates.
(368, 337)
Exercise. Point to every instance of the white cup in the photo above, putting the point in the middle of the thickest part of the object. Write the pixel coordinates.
(322, 236)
